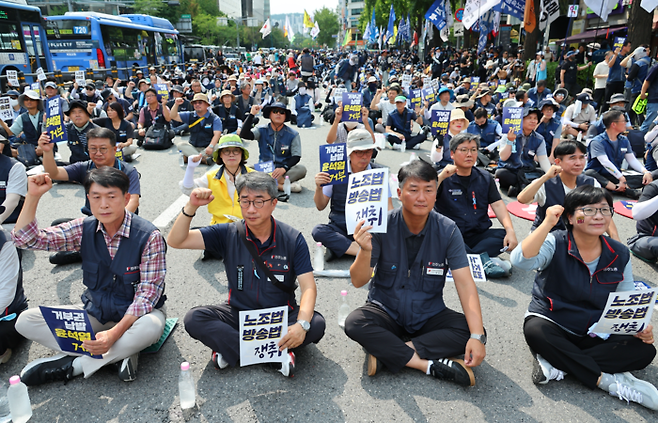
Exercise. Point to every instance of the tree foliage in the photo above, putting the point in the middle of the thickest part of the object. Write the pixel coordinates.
(328, 23)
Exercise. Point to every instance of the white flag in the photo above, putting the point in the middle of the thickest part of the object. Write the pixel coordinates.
(549, 10)
(601, 8)
(649, 5)
(288, 28)
(266, 29)
(476, 8)
(315, 31)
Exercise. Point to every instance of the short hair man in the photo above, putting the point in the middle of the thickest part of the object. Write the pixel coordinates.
(204, 126)
(465, 194)
(123, 305)
(287, 257)
(414, 273)
(398, 126)
(490, 133)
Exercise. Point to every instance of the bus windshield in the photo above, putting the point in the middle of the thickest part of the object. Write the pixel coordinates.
(9, 37)
(69, 29)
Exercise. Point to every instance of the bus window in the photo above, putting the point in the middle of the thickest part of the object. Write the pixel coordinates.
(170, 47)
(158, 47)
(69, 29)
(9, 38)
(36, 31)
(27, 35)
(122, 43)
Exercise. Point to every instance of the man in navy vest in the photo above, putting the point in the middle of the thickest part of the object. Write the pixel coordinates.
(405, 321)
(12, 297)
(204, 126)
(123, 270)
(333, 235)
(28, 125)
(645, 244)
(13, 184)
(283, 250)
(464, 196)
(78, 127)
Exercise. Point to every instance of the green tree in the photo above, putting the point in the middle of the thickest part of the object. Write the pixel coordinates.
(328, 23)
(149, 7)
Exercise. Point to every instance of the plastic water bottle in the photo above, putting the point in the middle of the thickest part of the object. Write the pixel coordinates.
(286, 185)
(412, 157)
(186, 388)
(580, 136)
(343, 309)
(498, 184)
(181, 159)
(5, 414)
(19, 400)
(393, 185)
(318, 257)
(403, 146)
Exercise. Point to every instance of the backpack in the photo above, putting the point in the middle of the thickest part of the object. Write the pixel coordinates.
(158, 137)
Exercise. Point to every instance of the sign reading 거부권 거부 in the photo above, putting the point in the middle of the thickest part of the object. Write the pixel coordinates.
(626, 312)
(440, 121)
(162, 90)
(367, 199)
(333, 160)
(266, 167)
(260, 333)
(70, 328)
(512, 118)
(476, 267)
(351, 107)
(55, 120)
(428, 95)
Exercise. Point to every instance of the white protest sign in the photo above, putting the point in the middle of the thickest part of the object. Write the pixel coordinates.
(80, 78)
(626, 313)
(260, 332)
(367, 198)
(5, 109)
(435, 85)
(12, 78)
(338, 94)
(41, 76)
(36, 87)
(477, 270)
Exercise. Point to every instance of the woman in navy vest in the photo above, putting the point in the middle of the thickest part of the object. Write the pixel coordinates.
(577, 270)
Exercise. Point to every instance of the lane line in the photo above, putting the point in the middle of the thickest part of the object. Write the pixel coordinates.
(170, 212)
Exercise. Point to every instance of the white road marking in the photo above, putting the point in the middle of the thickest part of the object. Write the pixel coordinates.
(170, 212)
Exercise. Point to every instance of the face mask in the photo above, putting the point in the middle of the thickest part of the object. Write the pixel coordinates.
(13, 103)
(372, 86)
(302, 91)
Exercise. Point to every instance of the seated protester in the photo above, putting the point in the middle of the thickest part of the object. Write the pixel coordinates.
(608, 150)
(16, 108)
(140, 101)
(577, 269)
(12, 297)
(228, 113)
(123, 131)
(549, 126)
(651, 154)
(277, 142)
(260, 94)
(153, 76)
(599, 127)
(360, 146)
(215, 92)
(231, 155)
(195, 88)
(560, 96)
(393, 333)
(578, 117)
(51, 91)
(244, 100)
(13, 184)
(155, 111)
(277, 86)
(88, 94)
(645, 244)
(520, 155)
(204, 126)
(216, 326)
(370, 91)
(28, 126)
(385, 105)
(399, 124)
(442, 104)
(562, 178)
(77, 128)
(177, 92)
(464, 87)
(464, 196)
(339, 133)
(462, 102)
(232, 85)
(109, 96)
(490, 133)
(124, 308)
(440, 154)
(539, 93)
(303, 102)
(484, 99)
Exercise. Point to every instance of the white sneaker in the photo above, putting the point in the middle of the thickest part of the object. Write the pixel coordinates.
(506, 265)
(288, 367)
(543, 371)
(417, 146)
(630, 388)
(295, 187)
(397, 147)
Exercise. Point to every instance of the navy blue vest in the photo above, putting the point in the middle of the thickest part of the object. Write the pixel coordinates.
(303, 111)
(524, 157)
(201, 134)
(564, 291)
(20, 301)
(111, 283)
(649, 161)
(118, 164)
(555, 195)
(643, 70)
(78, 146)
(229, 120)
(275, 146)
(31, 133)
(648, 226)
(549, 131)
(616, 156)
(337, 211)
(6, 163)
(487, 134)
(401, 122)
(148, 119)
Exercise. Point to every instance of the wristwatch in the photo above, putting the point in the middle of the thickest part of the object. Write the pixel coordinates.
(305, 325)
(481, 338)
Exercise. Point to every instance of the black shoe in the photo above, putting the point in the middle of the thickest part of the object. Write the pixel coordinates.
(51, 369)
(128, 368)
(140, 142)
(633, 194)
(283, 197)
(512, 191)
(329, 255)
(454, 370)
(65, 257)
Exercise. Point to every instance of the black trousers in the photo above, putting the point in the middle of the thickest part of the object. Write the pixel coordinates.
(444, 335)
(583, 356)
(9, 337)
(218, 328)
(616, 87)
(489, 241)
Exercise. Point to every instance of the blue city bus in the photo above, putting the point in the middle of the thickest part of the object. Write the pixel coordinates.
(23, 46)
(89, 40)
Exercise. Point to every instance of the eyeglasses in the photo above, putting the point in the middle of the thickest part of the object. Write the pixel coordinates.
(278, 112)
(362, 152)
(468, 150)
(102, 150)
(231, 151)
(90, 89)
(591, 211)
(258, 203)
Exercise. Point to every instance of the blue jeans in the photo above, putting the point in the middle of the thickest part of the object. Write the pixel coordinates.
(651, 113)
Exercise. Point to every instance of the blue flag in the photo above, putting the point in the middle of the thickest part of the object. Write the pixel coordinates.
(374, 33)
(437, 14)
(390, 31)
(407, 27)
(515, 8)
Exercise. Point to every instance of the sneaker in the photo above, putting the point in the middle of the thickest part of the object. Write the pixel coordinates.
(373, 365)
(5, 356)
(128, 368)
(397, 147)
(218, 361)
(542, 371)
(50, 369)
(65, 257)
(491, 269)
(416, 147)
(506, 265)
(512, 191)
(288, 368)
(295, 187)
(452, 369)
(630, 388)
(329, 255)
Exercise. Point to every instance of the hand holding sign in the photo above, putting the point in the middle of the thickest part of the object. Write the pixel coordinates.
(351, 107)
(362, 236)
(512, 118)
(646, 335)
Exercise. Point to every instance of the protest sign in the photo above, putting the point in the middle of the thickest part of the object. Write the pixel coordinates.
(475, 81)
(351, 107)
(626, 313)
(41, 76)
(70, 328)
(435, 85)
(619, 42)
(55, 120)
(80, 78)
(267, 167)
(367, 198)
(416, 99)
(162, 90)
(406, 79)
(12, 78)
(427, 81)
(333, 160)
(502, 81)
(260, 332)
(475, 265)
(440, 121)
(512, 118)
(428, 95)
(6, 112)
(36, 87)
(338, 94)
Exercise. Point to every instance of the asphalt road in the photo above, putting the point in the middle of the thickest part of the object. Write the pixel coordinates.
(330, 384)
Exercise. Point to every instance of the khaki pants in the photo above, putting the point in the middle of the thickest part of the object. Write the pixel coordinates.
(144, 332)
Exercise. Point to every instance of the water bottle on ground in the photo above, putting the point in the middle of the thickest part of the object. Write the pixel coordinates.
(5, 414)
(19, 400)
(286, 186)
(318, 257)
(412, 157)
(186, 389)
(343, 309)
(403, 146)
(498, 184)
(181, 159)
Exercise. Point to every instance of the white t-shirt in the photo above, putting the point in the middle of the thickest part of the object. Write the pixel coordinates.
(17, 181)
(9, 266)
(600, 69)
(386, 108)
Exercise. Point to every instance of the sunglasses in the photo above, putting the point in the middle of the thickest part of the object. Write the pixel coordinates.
(278, 112)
